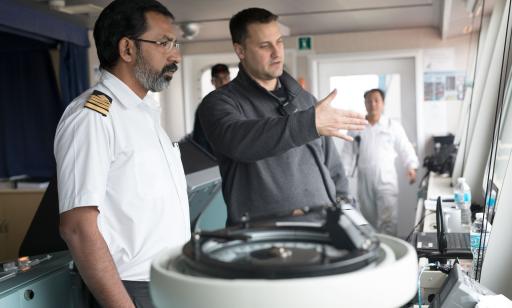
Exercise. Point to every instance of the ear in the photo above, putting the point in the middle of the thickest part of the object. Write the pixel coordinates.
(239, 50)
(126, 49)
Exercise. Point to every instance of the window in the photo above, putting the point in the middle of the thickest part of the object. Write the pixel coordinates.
(206, 79)
(351, 91)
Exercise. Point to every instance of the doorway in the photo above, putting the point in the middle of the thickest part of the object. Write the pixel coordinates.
(397, 76)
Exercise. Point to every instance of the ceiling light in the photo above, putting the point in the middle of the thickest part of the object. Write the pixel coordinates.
(190, 30)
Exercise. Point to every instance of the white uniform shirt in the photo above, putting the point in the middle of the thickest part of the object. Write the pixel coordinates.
(383, 141)
(125, 164)
(379, 146)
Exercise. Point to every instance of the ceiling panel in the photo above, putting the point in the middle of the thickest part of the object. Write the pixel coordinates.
(360, 21)
(317, 17)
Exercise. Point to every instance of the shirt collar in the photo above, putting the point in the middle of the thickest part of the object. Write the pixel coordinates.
(120, 90)
(278, 84)
(285, 80)
(151, 102)
(383, 121)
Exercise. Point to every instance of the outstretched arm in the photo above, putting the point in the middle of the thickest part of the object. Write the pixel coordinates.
(406, 153)
(232, 134)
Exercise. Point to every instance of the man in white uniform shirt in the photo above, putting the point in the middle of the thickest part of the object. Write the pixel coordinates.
(377, 146)
(122, 189)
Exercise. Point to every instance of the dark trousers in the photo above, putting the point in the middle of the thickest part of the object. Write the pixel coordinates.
(138, 291)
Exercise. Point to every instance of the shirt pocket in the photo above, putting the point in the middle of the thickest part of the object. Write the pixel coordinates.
(151, 172)
(386, 161)
(385, 138)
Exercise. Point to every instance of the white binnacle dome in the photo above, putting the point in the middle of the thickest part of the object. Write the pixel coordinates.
(391, 282)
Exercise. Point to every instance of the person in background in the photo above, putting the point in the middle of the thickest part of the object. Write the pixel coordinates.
(220, 77)
(270, 136)
(121, 185)
(377, 147)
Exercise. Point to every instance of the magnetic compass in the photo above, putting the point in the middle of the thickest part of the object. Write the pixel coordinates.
(328, 262)
(281, 250)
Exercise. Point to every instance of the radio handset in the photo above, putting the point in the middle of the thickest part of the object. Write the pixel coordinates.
(286, 108)
(357, 140)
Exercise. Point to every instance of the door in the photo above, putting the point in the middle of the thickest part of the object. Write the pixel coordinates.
(397, 77)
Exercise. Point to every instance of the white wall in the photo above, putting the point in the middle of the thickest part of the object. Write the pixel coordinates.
(173, 113)
(422, 39)
(193, 68)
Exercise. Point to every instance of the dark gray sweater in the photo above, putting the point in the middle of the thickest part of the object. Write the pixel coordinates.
(270, 164)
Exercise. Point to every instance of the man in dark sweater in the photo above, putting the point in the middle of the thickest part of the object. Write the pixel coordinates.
(271, 137)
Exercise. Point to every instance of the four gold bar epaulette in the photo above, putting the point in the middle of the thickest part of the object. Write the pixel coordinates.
(99, 102)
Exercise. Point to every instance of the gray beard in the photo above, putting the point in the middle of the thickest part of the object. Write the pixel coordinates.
(150, 79)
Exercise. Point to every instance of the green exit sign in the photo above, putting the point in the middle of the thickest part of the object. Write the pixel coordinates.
(304, 43)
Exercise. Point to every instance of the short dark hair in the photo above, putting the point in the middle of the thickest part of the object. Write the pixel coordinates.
(241, 20)
(219, 68)
(122, 18)
(382, 94)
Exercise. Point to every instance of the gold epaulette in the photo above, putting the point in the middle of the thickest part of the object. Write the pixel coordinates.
(99, 102)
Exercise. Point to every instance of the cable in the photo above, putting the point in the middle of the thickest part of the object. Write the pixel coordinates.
(355, 165)
(357, 140)
(322, 173)
(414, 228)
(424, 178)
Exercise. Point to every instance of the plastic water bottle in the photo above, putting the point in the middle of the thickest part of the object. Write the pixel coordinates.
(478, 249)
(491, 202)
(463, 201)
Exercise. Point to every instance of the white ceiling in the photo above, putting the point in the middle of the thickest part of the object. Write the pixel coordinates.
(322, 16)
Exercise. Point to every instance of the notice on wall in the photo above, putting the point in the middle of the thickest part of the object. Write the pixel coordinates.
(444, 85)
(438, 59)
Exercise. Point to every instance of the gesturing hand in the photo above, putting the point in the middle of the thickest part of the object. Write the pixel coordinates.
(330, 120)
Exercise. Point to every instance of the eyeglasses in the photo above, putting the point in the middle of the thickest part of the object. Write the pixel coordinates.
(167, 45)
